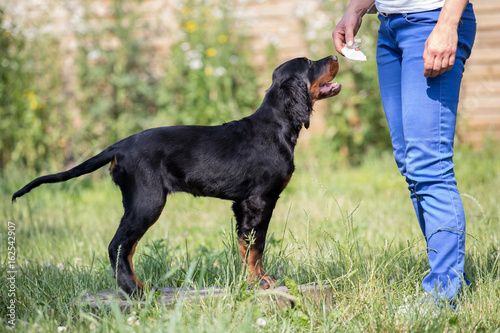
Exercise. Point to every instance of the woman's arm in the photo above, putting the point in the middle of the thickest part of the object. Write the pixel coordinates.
(349, 25)
(441, 46)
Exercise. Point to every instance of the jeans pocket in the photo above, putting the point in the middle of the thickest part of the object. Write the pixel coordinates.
(429, 17)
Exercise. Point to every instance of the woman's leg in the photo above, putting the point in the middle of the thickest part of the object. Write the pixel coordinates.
(389, 59)
(423, 144)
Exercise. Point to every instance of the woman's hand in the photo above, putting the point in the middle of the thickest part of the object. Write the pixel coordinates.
(346, 29)
(440, 49)
(349, 25)
(441, 45)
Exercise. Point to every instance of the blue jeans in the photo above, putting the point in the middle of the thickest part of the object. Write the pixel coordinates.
(421, 113)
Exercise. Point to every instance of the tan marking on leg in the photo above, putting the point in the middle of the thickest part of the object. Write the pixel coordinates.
(112, 166)
(285, 183)
(134, 277)
(252, 260)
(243, 246)
(255, 262)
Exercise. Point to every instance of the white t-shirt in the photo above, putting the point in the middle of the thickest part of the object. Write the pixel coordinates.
(407, 6)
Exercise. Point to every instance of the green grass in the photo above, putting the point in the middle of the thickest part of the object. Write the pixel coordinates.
(352, 228)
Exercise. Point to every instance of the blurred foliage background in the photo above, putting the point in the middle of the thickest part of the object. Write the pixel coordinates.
(208, 78)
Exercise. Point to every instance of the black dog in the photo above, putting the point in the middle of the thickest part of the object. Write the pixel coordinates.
(249, 161)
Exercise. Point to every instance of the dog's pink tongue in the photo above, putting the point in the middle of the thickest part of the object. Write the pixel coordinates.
(328, 87)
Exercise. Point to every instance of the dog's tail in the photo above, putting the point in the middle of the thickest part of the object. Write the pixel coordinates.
(88, 166)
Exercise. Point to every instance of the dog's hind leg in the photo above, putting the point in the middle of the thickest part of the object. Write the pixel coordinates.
(252, 220)
(142, 209)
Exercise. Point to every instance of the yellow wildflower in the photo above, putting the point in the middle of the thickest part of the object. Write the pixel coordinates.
(34, 104)
(211, 52)
(29, 94)
(222, 39)
(209, 71)
(191, 26)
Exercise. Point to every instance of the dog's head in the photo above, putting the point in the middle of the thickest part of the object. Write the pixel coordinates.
(301, 82)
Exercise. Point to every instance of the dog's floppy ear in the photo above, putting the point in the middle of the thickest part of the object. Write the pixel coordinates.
(296, 101)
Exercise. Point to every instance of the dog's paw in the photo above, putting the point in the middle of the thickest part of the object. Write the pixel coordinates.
(140, 293)
(268, 281)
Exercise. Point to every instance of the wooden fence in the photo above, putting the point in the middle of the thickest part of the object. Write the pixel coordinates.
(480, 95)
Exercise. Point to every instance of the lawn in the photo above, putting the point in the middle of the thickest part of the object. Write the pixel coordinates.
(350, 228)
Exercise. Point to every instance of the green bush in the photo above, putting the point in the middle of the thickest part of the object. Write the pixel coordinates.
(31, 129)
(355, 120)
(20, 107)
(116, 90)
(208, 79)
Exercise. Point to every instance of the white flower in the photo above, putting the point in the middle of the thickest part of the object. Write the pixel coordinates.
(60, 266)
(100, 10)
(261, 322)
(133, 320)
(300, 12)
(61, 328)
(193, 54)
(195, 64)
(185, 46)
(314, 48)
(217, 13)
(273, 39)
(233, 59)
(93, 55)
(311, 35)
(283, 30)
(219, 71)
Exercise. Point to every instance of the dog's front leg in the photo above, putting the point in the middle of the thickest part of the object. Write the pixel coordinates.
(252, 257)
(252, 220)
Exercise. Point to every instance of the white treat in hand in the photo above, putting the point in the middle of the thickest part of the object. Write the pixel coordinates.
(350, 52)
